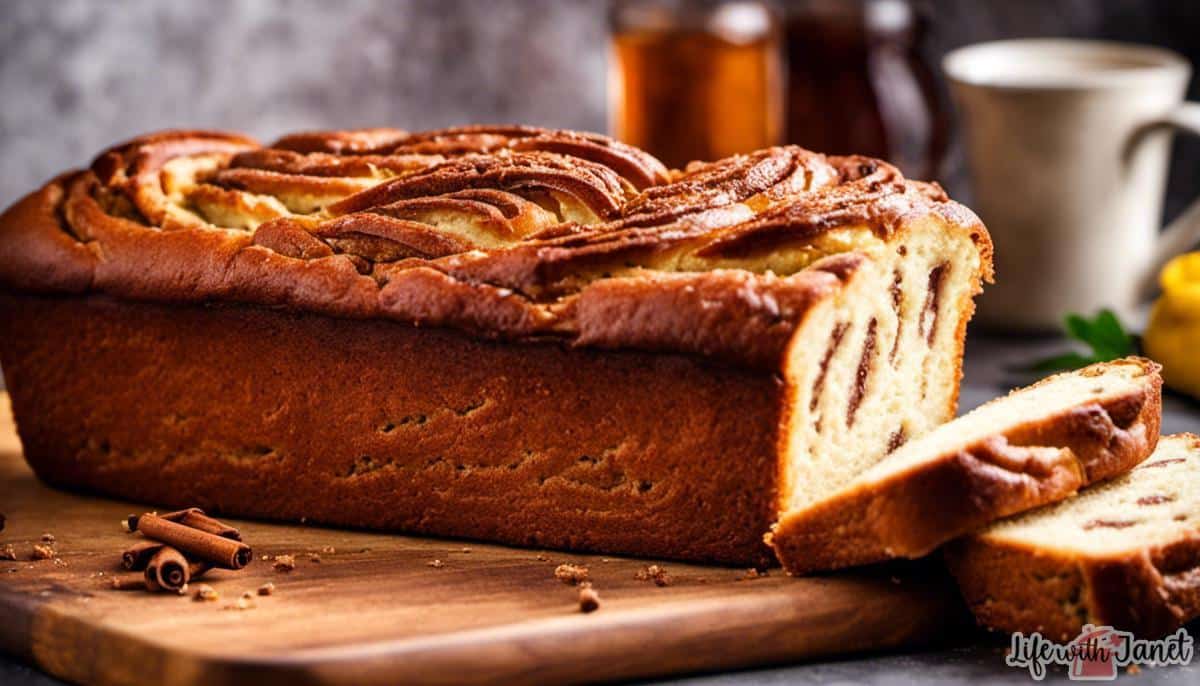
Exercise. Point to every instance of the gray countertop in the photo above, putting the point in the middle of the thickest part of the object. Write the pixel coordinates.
(975, 657)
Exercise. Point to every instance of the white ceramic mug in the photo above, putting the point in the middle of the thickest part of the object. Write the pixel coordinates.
(1068, 143)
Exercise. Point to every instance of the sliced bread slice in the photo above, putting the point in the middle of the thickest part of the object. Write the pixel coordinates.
(1125, 553)
(1037, 445)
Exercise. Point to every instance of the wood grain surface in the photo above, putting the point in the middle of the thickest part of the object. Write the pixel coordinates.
(377, 611)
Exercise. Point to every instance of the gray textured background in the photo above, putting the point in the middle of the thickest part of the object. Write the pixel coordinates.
(78, 75)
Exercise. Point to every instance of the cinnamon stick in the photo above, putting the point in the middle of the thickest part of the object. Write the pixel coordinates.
(177, 515)
(129, 582)
(201, 545)
(195, 518)
(170, 570)
(167, 569)
(137, 556)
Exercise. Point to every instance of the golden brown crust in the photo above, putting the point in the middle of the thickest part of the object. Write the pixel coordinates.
(1010, 586)
(1046, 591)
(353, 223)
(222, 264)
(724, 314)
(912, 512)
(368, 423)
(350, 142)
(638, 167)
(44, 257)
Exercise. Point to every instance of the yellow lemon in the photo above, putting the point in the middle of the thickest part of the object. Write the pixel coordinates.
(1173, 336)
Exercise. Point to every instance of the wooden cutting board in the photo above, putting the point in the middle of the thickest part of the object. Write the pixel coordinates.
(377, 610)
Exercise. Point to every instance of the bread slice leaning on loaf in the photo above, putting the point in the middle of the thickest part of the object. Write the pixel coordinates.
(1125, 553)
(1037, 445)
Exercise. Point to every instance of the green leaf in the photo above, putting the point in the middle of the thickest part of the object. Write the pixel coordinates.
(1103, 335)
(1061, 362)
(1109, 338)
(1078, 327)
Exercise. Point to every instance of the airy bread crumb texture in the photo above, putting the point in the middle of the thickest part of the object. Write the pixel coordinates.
(1046, 400)
(1037, 445)
(1154, 504)
(878, 365)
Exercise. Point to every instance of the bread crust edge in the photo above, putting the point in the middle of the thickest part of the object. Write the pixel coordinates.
(1014, 587)
(913, 512)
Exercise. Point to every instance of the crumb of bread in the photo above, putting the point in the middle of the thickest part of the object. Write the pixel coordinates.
(205, 593)
(589, 599)
(752, 574)
(329, 550)
(436, 564)
(47, 538)
(542, 558)
(284, 563)
(314, 557)
(266, 589)
(245, 602)
(571, 574)
(1133, 669)
(42, 552)
(8, 552)
(654, 573)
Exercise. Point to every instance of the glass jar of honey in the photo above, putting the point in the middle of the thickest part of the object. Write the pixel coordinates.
(696, 80)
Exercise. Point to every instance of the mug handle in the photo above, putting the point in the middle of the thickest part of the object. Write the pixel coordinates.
(1183, 233)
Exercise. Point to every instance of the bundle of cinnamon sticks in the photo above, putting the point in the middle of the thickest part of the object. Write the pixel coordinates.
(178, 547)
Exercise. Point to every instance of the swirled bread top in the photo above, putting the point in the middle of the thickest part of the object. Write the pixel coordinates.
(503, 232)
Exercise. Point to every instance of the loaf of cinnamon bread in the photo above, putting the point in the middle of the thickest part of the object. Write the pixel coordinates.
(506, 333)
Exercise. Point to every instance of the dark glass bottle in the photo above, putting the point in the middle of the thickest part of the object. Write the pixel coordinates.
(857, 83)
